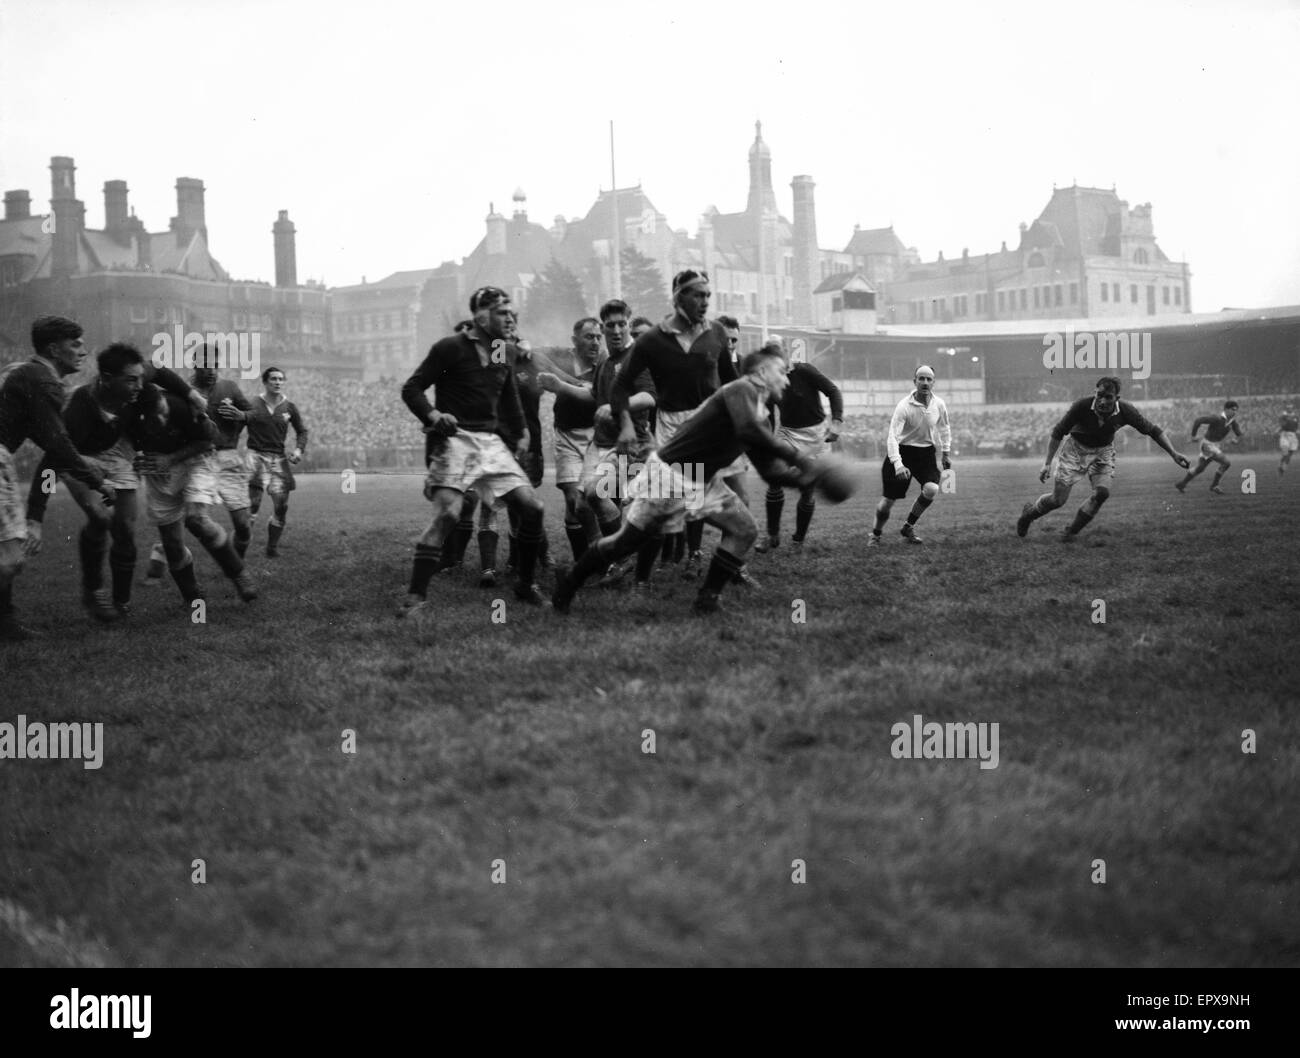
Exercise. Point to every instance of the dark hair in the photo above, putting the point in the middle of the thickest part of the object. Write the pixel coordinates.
(687, 275)
(1109, 382)
(753, 361)
(486, 297)
(583, 322)
(613, 308)
(267, 373)
(46, 330)
(729, 321)
(1231, 404)
(117, 358)
(774, 345)
(463, 327)
(637, 321)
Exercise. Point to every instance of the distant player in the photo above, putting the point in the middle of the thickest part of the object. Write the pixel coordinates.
(476, 411)
(575, 412)
(730, 421)
(918, 442)
(1088, 431)
(801, 421)
(31, 406)
(1217, 428)
(270, 469)
(1287, 441)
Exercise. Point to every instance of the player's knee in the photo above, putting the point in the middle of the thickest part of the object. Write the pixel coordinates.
(203, 526)
(11, 560)
(1100, 495)
(930, 490)
(98, 522)
(1227, 463)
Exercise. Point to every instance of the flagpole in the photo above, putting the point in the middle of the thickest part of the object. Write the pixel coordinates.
(613, 196)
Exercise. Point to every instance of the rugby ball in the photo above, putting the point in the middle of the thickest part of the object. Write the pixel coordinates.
(834, 480)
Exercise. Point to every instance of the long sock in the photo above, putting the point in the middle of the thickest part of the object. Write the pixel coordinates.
(243, 535)
(453, 553)
(694, 535)
(670, 540)
(223, 552)
(530, 543)
(93, 549)
(611, 527)
(918, 508)
(427, 557)
(803, 516)
(186, 579)
(723, 568)
(1217, 478)
(544, 550)
(1080, 520)
(645, 559)
(775, 505)
(577, 538)
(6, 599)
(882, 516)
(592, 563)
(273, 533)
(157, 562)
(589, 522)
(121, 563)
(487, 549)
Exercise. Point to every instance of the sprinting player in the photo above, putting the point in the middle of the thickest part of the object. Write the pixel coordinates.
(1088, 431)
(731, 421)
(801, 421)
(574, 426)
(173, 444)
(1217, 428)
(1287, 441)
(476, 411)
(270, 470)
(919, 440)
(31, 406)
(99, 418)
(688, 359)
(229, 409)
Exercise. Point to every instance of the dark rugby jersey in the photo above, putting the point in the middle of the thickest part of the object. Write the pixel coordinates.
(183, 426)
(1216, 427)
(731, 421)
(1290, 423)
(228, 429)
(801, 405)
(31, 405)
(268, 429)
(1083, 424)
(571, 413)
(682, 380)
(483, 399)
(602, 388)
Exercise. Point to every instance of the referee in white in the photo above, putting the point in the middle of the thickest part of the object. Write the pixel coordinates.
(919, 439)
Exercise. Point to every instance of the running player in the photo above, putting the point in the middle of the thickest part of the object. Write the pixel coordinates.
(31, 406)
(1287, 441)
(1088, 431)
(1217, 428)
(476, 411)
(919, 440)
(270, 470)
(99, 418)
(802, 422)
(229, 410)
(731, 421)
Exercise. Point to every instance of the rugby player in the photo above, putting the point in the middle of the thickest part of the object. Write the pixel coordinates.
(270, 470)
(31, 406)
(732, 420)
(476, 411)
(99, 418)
(1217, 428)
(918, 441)
(801, 421)
(1287, 441)
(1088, 431)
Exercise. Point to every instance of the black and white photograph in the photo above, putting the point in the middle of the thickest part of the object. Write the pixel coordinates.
(630, 485)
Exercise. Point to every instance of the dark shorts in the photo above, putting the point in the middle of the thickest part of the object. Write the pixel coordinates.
(920, 461)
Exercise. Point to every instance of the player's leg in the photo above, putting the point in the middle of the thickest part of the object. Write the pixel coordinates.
(739, 531)
(774, 504)
(639, 534)
(1223, 463)
(925, 472)
(529, 514)
(122, 550)
(279, 490)
(803, 514)
(92, 549)
(487, 543)
(221, 546)
(13, 539)
(1201, 464)
(232, 486)
(893, 488)
(1100, 474)
(446, 504)
(457, 543)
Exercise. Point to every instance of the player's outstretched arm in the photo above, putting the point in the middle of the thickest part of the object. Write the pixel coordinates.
(1162, 439)
(1052, 446)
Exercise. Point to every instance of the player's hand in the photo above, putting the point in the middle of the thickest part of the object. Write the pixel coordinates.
(108, 495)
(603, 415)
(227, 410)
(441, 423)
(626, 443)
(1182, 461)
(1045, 473)
(32, 545)
(198, 402)
(902, 474)
(548, 381)
(947, 463)
(833, 434)
(296, 457)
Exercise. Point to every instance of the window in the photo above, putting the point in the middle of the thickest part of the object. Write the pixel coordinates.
(1036, 260)
(1115, 290)
(1074, 293)
(159, 314)
(1105, 292)
(1140, 257)
(1002, 301)
(789, 266)
(1178, 295)
(1036, 298)
(1058, 295)
(753, 303)
(837, 303)
(1166, 292)
(1133, 293)
(789, 308)
(139, 314)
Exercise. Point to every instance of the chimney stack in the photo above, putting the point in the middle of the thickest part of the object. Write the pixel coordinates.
(189, 210)
(496, 232)
(806, 264)
(117, 216)
(286, 254)
(67, 215)
(18, 205)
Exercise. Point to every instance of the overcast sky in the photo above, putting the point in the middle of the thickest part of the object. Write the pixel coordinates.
(386, 127)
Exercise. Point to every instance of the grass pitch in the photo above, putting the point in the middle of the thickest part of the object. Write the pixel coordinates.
(499, 808)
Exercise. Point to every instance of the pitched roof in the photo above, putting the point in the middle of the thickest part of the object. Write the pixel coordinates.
(529, 249)
(839, 281)
(416, 277)
(1086, 219)
(876, 241)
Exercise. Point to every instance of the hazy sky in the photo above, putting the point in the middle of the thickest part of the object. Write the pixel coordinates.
(386, 127)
